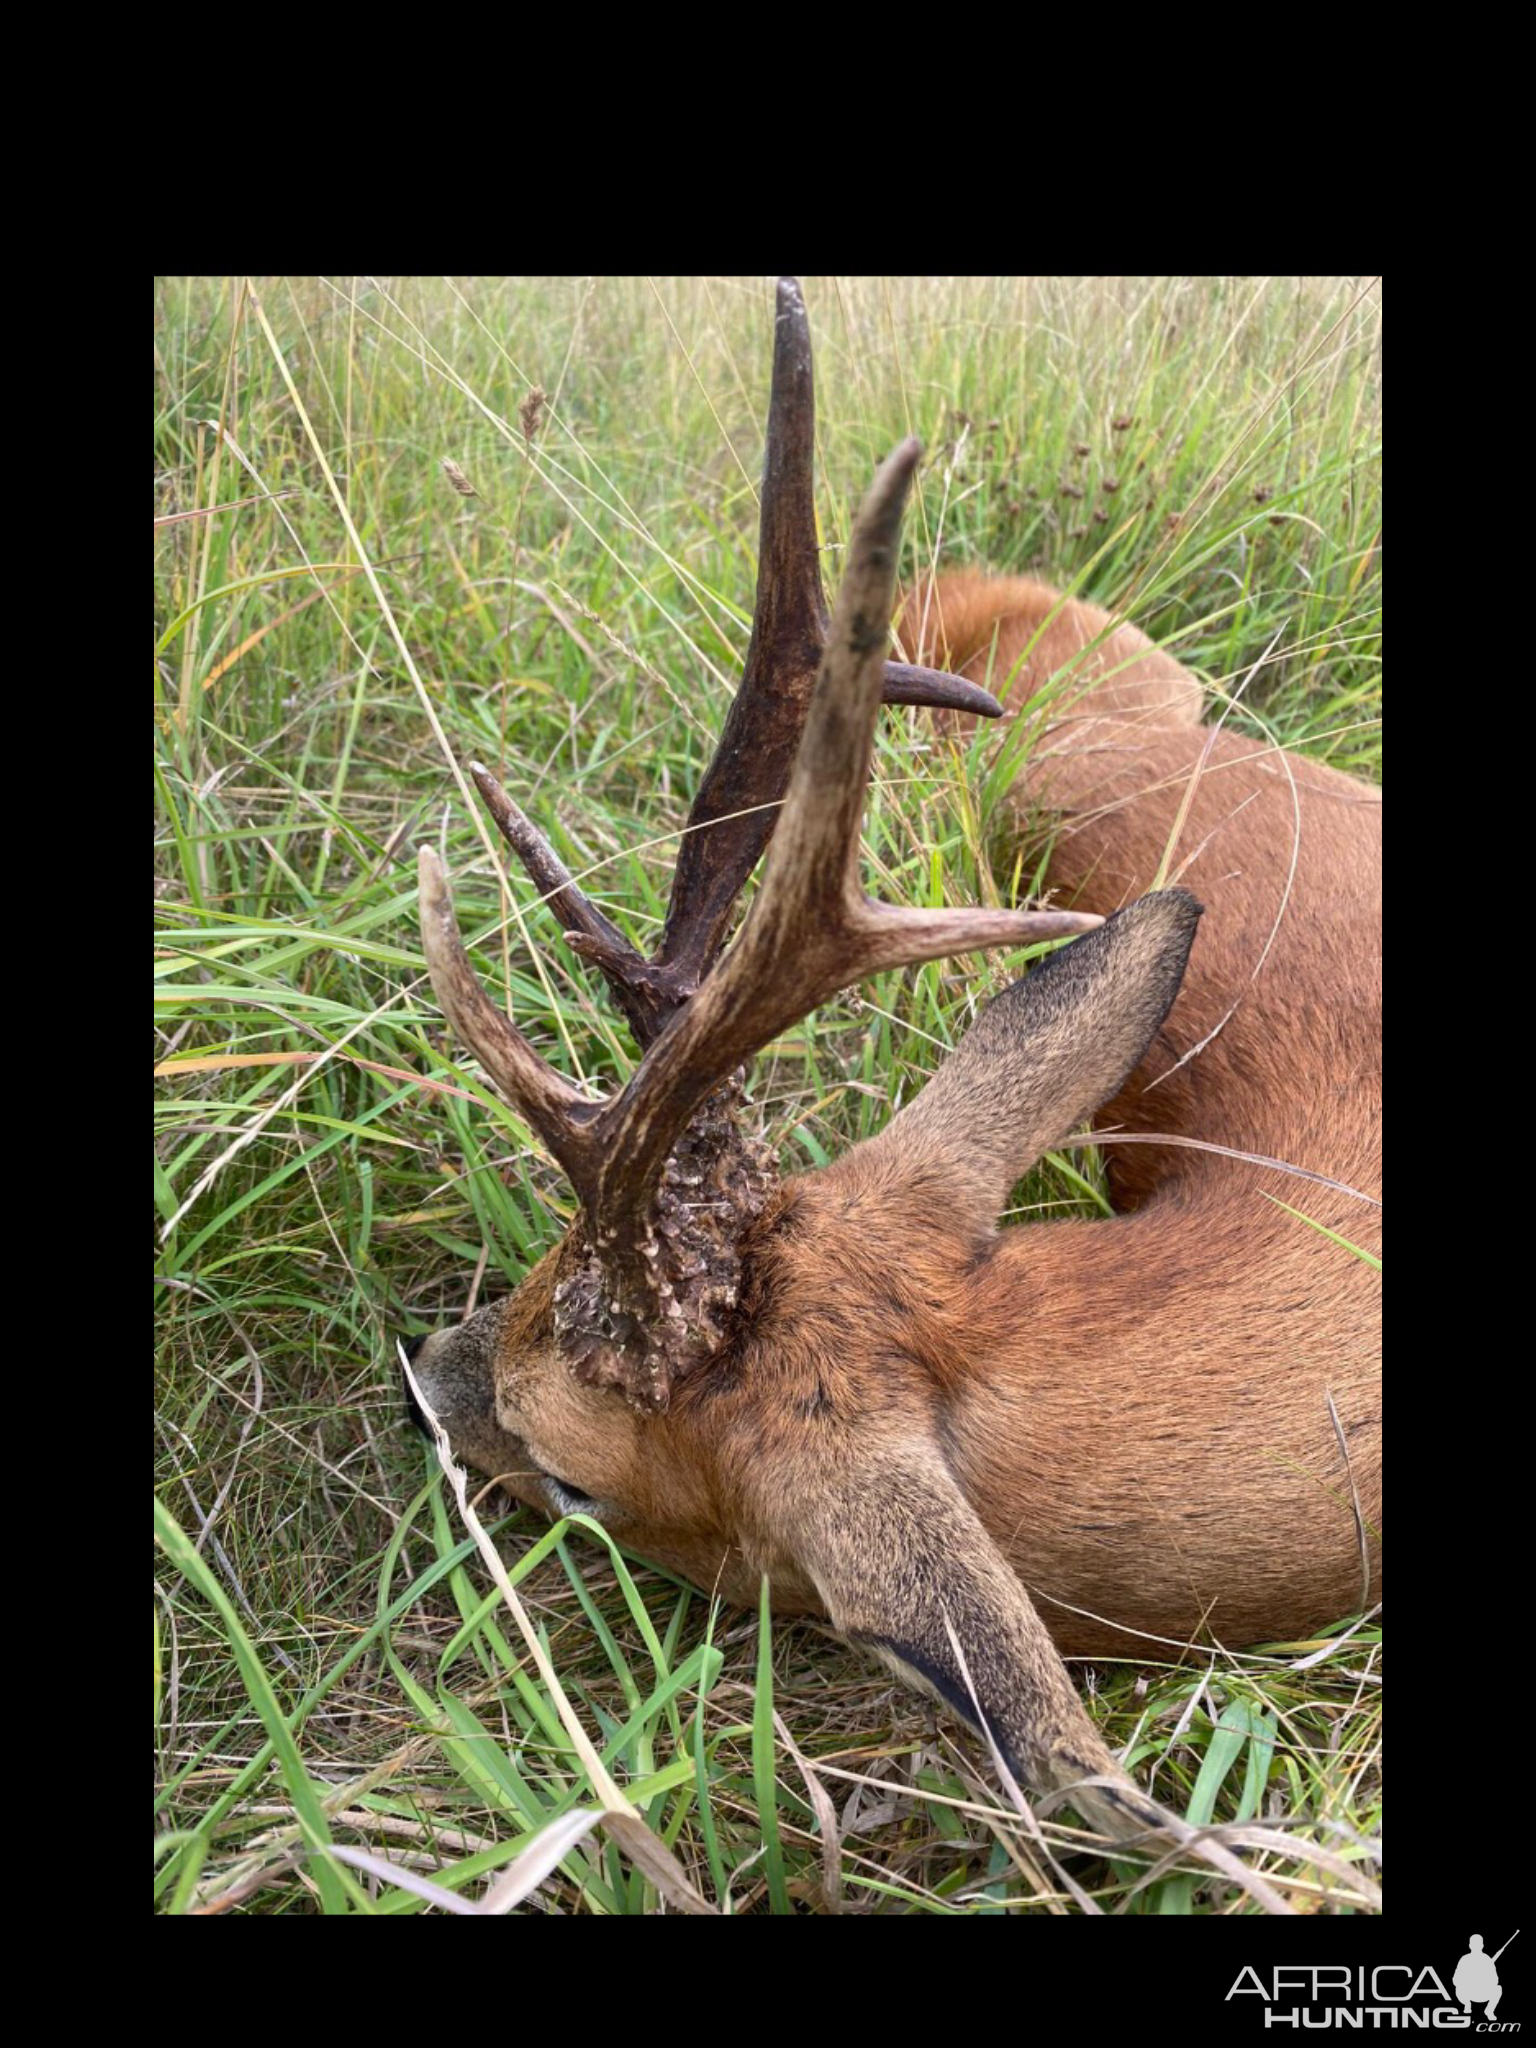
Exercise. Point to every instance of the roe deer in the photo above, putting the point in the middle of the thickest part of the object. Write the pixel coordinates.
(972, 1449)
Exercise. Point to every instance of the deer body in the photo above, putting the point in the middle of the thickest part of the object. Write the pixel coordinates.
(972, 1448)
(1175, 1467)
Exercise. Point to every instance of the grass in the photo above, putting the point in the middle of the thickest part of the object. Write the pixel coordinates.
(346, 1716)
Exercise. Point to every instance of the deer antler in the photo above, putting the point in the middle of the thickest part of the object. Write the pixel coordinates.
(662, 1266)
(811, 929)
(734, 814)
(736, 808)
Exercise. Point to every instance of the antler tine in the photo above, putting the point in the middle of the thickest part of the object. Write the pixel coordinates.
(905, 684)
(587, 931)
(564, 1119)
(737, 806)
(811, 929)
(731, 820)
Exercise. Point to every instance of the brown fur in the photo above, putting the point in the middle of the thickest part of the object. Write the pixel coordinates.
(1022, 638)
(1166, 1423)
(1170, 1463)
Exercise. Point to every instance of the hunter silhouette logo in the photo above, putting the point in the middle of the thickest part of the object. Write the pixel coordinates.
(1477, 1977)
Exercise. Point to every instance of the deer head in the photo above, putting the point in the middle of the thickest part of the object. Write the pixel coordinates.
(740, 1376)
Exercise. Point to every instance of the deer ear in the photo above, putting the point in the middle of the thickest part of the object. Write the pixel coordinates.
(1047, 1052)
(907, 1570)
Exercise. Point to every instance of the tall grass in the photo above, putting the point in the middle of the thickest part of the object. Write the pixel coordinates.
(345, 1716)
